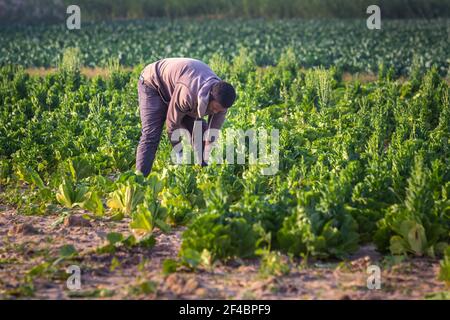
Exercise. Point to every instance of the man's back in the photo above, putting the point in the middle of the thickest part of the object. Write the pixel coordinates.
(166, 74)
(179, 91)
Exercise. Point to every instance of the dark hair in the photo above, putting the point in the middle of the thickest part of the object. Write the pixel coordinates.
(224, 93)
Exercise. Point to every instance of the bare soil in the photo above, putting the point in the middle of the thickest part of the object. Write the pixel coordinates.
(29, 241)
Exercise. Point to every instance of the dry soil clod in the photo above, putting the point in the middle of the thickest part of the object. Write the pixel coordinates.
(23, 229)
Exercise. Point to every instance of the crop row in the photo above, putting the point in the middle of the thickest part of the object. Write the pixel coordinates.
(358, 163)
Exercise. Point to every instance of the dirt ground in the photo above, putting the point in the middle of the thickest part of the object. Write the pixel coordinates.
(28, 242)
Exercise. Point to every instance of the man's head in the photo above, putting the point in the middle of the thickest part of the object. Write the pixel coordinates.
(221, 97)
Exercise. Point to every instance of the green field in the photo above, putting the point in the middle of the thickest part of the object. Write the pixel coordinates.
(356, 160)
(346, 44)
(360, 163)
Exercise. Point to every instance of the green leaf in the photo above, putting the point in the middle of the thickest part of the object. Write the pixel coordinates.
(169, 266)
(93, 204)
(191, 258)
(142, 222)
(114, 237)
(31, 176)
(126, 198)
(398, 246)
(130, 241)
(147, 242)
(417, 239)
(80, 168)
(67, 251)
(70, 195)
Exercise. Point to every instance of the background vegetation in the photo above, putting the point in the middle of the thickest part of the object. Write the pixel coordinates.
(346, 44)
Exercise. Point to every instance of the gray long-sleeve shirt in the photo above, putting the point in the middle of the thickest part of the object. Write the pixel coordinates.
(184, 84)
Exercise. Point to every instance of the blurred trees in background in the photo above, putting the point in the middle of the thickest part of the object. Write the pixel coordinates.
(37, 11)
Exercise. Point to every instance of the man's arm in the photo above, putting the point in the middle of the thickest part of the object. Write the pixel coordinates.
(215, 123)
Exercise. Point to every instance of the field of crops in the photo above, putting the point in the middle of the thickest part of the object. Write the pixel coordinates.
(359, 164)
(347, 44)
